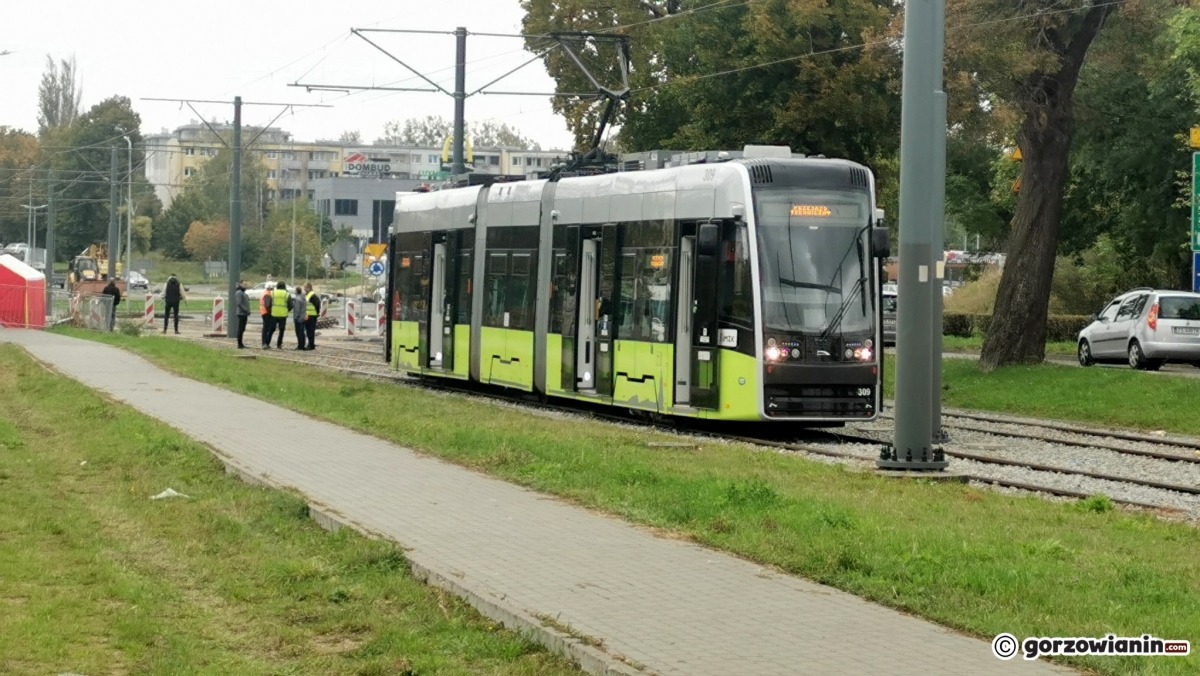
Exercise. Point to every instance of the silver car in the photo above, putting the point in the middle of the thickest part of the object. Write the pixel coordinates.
(1144, 327)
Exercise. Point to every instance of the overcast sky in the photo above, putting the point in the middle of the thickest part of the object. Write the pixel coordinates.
(218, 49)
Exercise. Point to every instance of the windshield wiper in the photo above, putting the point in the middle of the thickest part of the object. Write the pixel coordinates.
(808, 285)
(858, 285)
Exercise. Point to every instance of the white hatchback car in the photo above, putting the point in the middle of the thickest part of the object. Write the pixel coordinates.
(1145, 328)
(258, 290)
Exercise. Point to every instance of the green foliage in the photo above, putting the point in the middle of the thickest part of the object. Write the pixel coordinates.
(1059, 328)
(83, 172)
(432, 131)
(206, 197)
(18, 176)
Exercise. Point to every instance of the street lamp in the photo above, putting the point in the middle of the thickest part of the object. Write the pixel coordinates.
(128, 207)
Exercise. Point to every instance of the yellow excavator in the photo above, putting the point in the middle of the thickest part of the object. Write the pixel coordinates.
(88, 271)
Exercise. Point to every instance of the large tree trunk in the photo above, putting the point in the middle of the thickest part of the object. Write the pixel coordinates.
(1017, 334)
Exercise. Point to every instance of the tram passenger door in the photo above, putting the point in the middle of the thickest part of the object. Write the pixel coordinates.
(439, 322)
(586, 343)
(683, 322)
(696, 318)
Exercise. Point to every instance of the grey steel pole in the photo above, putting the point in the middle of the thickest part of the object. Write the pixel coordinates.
(913, 447)
(129, 216)
(235, 220)
(938, 218)
(114, 192)
(460, 96)
(50, 242)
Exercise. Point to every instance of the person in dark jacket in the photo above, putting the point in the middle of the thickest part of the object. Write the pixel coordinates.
(112, 290)
(172, 294)
(243, 311)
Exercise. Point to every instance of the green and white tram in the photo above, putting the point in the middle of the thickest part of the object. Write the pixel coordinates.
(739, 290)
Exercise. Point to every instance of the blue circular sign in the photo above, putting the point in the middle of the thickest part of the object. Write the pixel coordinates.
(376, 269)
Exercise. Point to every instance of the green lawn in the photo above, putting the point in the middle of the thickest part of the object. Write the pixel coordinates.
(97, 578)
(973, 559)
(975, 344)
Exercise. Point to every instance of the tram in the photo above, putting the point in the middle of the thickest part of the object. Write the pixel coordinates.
(734, 289)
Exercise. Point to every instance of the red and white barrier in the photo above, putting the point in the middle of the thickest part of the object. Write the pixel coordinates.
(351, 317)
(380, 319)
(218, 315)
(149, 309)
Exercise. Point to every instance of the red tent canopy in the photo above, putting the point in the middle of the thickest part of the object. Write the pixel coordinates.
(22, 294)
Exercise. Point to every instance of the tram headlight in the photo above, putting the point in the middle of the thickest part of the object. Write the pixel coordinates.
(865, 354)
(773, 353)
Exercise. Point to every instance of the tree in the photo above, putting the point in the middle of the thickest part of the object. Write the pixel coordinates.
(205, 197)
(207, 241)
(350, 138)
(18, 175)
(430, 131)
(83, 172)
(728, 74)
(1032, 61)
(58, 95)
(275, 246)
(488, 134)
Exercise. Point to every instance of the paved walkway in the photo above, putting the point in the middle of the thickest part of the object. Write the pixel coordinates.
(645, 603)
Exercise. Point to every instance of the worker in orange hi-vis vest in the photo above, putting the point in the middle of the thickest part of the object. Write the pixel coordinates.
(264, 309)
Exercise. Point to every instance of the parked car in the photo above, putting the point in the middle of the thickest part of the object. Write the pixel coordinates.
(890, 297)
(258, 290)
(1145, 328)
(137, 281)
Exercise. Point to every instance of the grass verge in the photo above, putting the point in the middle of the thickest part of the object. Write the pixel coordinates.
(972, 559)
(1099, 396)
(975, 344)
(97, 578)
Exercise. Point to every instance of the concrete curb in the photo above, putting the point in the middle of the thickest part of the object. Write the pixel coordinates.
(588, 656)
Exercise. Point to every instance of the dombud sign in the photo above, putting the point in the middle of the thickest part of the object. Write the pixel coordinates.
(358, 164)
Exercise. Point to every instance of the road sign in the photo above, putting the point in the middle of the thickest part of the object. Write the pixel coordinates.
(375, 251)
(1195, 202)
(1196, 272)
(1194, 137)
(376, 269)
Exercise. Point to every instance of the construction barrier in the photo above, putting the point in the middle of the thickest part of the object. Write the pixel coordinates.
(218, 315)
(380, 319)
(149, 309)
(351, 316)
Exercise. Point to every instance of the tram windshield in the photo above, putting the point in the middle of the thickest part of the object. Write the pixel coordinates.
(814, 261)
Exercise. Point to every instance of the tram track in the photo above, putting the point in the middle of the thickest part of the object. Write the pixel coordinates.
(861, 446)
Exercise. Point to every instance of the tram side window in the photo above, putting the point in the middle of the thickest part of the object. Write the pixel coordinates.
(466, 269)
(645, 295)
(412, 285)
(496, 278)
(735, 288)
(562, 297)
(509, 290)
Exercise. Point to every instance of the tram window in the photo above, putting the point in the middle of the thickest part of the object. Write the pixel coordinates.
(466, 270)
(496, 278)
(562, 296)
(736, 294)
(520, 292)
(645, 295)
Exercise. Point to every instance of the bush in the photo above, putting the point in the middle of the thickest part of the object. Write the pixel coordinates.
(1059, 328)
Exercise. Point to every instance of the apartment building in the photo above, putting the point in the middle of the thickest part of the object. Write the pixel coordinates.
(332, 175)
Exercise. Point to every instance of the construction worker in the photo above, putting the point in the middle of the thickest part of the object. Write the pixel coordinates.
(264, 309)
(312, 310)
(281, 306)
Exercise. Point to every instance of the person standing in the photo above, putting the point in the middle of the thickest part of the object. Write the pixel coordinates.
(172, 294)
(115, 293)
(299, 315)
(281, 307)
(264, 309)
(243, 311)
(312, 308)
